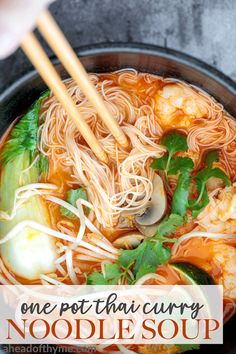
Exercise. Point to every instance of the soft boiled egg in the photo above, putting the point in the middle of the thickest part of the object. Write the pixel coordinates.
(29, 254)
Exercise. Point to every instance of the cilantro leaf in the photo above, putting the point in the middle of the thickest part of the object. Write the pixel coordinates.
(204, 175)
(175, 141)
(112, 272)
(112, 275)
(169, 225)
(181, 194)
(180, 164)
(184, 165)
(201, 179)
(146, 257)
(161, 163)
(96, 279)
(187, 347)
(145, 269)
(72, 196)
(212, 156)
(176, 164)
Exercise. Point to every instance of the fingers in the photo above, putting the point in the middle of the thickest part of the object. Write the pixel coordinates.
(17, 17)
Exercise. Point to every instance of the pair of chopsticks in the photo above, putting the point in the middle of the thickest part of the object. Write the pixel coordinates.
(59, 44)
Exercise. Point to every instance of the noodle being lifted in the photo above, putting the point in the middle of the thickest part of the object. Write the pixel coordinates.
(161, 212)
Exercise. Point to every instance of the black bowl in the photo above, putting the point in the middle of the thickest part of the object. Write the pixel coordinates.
(108, 57)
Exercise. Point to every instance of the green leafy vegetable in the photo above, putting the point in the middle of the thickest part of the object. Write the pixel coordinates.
(161, 163)
(113, 273)
(96, 278)
(176, 164)
(43, 166)
(175, 142)
(72, 196)
(180, 164)
(145, 258)
(187, 347)
(212, 156)
(181, 194)
(202, 177)
(17, 158)
(184, 165)
(24, 135)
(169, 225)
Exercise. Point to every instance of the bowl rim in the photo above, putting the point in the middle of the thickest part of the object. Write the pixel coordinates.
(134, 48)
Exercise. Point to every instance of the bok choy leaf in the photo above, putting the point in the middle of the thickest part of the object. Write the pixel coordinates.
(30, 253)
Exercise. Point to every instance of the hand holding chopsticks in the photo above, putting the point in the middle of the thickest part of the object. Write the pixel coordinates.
(65, 53)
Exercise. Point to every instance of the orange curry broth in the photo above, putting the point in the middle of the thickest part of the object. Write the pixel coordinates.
(195, 251)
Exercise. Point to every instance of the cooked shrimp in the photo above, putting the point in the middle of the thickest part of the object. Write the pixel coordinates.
(220, 214)
(224, 256)
(159, 348)
(177, 105)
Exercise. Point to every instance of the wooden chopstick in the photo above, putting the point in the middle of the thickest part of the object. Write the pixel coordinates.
(41, 62)
(59, 44)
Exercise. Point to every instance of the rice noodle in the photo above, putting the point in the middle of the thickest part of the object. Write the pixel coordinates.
(126, 185)
(122, 188)
(111, 191)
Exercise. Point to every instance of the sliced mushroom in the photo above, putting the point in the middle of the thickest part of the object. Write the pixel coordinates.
(147, 231)
(129, 241)
(147, 222)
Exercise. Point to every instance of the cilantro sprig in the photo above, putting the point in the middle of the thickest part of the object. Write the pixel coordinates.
(145, 258)
(201, 180)
(173, 142)
(142, 260)
(112, 274)
(183, 167)
(168, 226)
(152, 253)
(173, 165)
